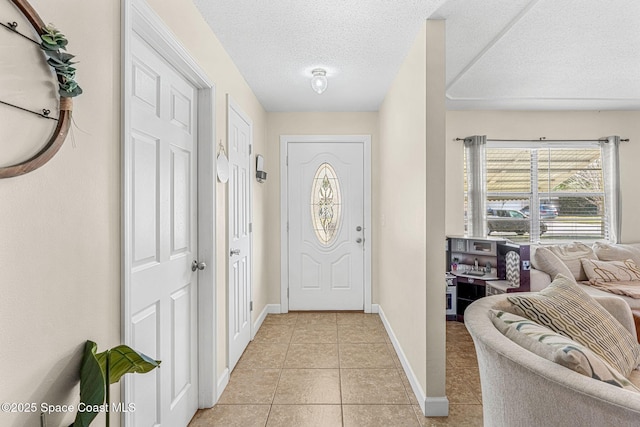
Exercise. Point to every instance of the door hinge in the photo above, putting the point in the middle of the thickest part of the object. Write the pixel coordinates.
(251, 306)
(287, 292)
(250, 227)
(287, 161)
(250, 148)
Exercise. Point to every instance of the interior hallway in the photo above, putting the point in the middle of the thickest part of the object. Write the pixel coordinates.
(337, 369)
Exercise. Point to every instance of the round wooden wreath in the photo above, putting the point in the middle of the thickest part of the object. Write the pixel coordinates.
(65, 106)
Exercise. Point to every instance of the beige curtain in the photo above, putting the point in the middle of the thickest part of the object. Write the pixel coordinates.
(611, 176)
(476, 154)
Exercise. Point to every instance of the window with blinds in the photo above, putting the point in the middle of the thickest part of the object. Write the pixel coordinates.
(542, 193)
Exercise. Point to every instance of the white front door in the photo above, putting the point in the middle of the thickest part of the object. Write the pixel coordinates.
(239, 232)
(163, 225)
(325, 193)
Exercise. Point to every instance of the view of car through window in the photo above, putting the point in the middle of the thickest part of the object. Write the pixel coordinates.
(546, 211)
(510, 221)
(559, 191)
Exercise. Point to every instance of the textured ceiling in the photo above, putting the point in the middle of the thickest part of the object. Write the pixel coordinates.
(276, 44)
(506, 54)
(543, 54)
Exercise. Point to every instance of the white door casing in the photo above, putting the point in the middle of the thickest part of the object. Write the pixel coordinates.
(239, 132)
(168, 169)
(328, 269)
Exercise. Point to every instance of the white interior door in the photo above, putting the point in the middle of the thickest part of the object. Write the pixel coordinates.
(239, 232)
(163, 191)
(326, 225)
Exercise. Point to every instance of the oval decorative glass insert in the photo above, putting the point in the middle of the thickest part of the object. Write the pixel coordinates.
(326, 204)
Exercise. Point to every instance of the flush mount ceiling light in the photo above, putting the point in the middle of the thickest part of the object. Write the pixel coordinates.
(319, 80)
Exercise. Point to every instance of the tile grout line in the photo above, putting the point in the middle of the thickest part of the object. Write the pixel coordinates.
(280, 373)
(339, 372)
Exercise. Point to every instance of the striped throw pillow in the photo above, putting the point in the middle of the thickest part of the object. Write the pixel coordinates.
(568, 310)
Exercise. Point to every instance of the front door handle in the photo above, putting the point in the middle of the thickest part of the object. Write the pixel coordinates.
(195, 265)
(233, 252)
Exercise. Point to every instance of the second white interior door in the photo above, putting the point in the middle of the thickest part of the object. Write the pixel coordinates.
(239, 232)
(326, 225)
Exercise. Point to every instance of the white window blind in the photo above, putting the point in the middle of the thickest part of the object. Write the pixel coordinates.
(548, 191)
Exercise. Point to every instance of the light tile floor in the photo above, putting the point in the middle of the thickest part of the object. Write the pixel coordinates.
(337, 369)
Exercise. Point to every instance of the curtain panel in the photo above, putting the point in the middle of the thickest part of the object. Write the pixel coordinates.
(611, 178)
(476, 155)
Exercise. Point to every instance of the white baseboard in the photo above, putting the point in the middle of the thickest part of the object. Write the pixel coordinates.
(436, 407)
(269, 308)
(430, 406)
(375, 308)
(222, 383)
(223, 380)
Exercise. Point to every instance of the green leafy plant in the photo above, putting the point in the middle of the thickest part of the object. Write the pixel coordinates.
(52, 39)
(53, 42)
(94, 371)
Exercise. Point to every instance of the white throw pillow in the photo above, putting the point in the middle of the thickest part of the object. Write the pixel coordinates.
(547, 261)
(619, 252)
(611, 271)
(571, 254)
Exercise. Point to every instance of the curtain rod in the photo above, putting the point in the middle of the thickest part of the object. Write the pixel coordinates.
(543, 139)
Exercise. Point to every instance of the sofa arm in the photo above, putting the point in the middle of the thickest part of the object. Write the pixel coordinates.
(620, 310)
(520, 388)
(539, 280)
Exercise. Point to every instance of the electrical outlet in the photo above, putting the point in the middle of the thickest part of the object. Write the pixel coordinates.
(526, 265)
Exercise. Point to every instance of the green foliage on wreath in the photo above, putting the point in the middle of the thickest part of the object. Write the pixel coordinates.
(53, 42)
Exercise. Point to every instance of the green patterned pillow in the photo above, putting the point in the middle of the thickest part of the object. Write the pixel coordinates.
(557, 348)
(568, 310)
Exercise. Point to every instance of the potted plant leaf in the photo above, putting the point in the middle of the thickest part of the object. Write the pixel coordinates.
(94, 371)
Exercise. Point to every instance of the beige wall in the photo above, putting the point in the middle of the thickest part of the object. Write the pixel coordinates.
(400, 220)
(410, 211)
(60, 227)
(552, 125)
(305, 124)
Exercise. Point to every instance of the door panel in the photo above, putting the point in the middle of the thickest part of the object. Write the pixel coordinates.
(239, 291)
(145, 202)
(163, 292)
(341, 272)
(180, 199)
(181, 331)
(326, 226)
(146, 388)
